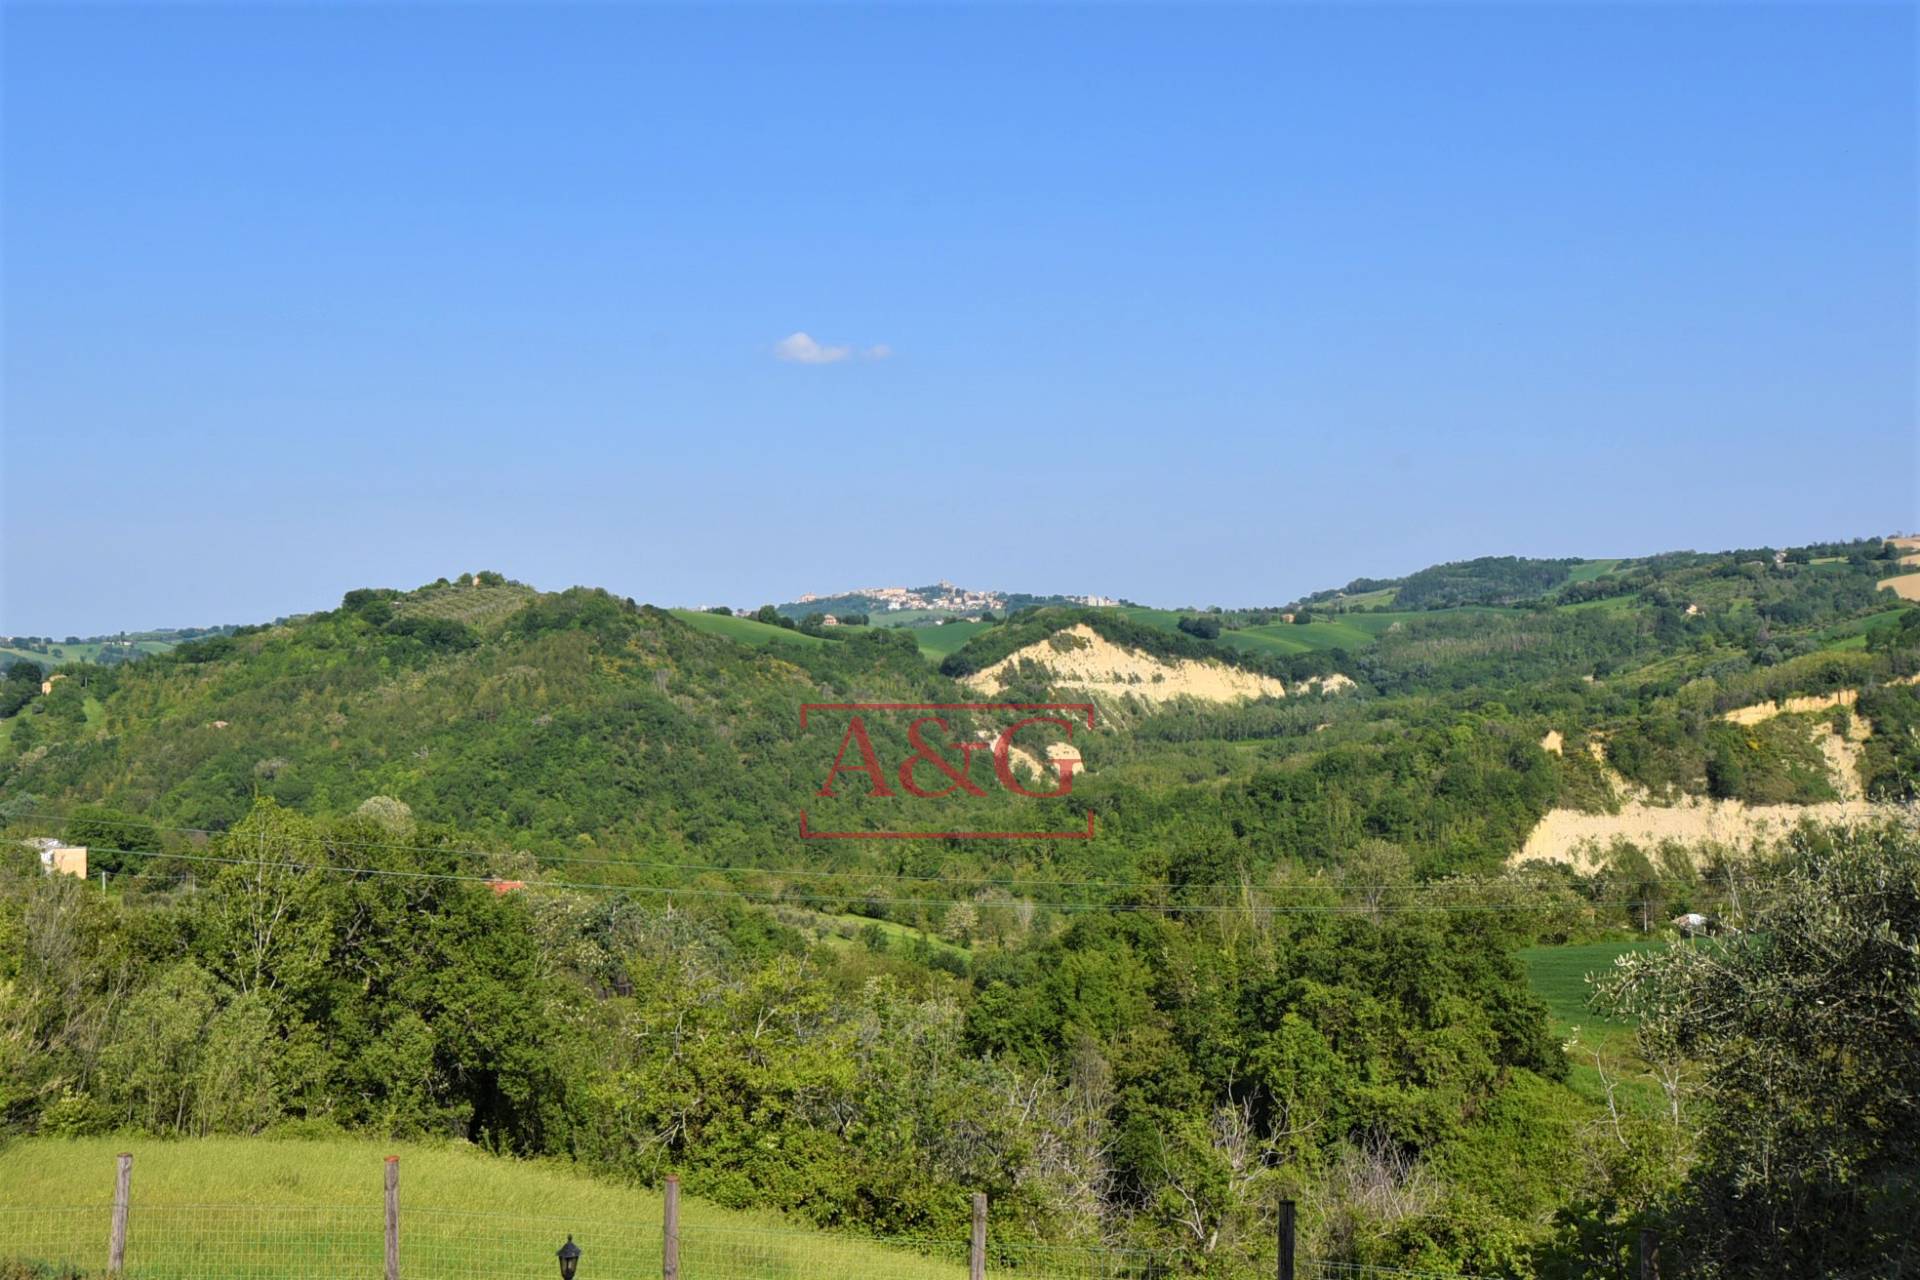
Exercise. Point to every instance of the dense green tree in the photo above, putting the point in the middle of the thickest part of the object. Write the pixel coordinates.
(20, 686)
(113, 838)
(1806, 1026)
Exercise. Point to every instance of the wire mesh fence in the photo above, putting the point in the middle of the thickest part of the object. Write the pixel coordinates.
(378, 1239)
(334, 1242)
(65, 1239)
(456, 1244)
(187, 1242)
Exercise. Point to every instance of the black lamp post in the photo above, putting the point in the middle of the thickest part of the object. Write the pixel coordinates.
(569, 1259)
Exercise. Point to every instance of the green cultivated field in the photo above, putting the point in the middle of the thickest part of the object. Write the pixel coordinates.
(743, 630)
(257, 1207)
(1347, 631)
(1344, 632)
(61, 654)
(1366, 599)
(1588, 570)
(1164, 619)
(908, 617)
(1853, 634)
(1558, 976)
(938, 642)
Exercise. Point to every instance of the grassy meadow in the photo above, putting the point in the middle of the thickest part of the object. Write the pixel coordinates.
(844, 930)
(260, 1207)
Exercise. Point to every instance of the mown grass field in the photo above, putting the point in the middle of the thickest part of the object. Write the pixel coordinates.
(743, 630)
(262, 1207)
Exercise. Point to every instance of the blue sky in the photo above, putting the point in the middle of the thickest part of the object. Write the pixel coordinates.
(1197, 304)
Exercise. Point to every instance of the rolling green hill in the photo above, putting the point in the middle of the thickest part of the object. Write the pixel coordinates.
(526, 867)
(616, 719)
(636, 728)
(50, 654)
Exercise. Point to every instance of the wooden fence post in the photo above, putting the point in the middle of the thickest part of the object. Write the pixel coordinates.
(977, 1254)
(122, 1193)
(393, 1218)
(670, 1230)
(1284, 1268)
(1649, 1268)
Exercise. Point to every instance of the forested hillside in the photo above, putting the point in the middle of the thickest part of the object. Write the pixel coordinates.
(525, 869)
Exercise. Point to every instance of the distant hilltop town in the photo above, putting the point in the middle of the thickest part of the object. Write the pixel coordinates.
(941, 597)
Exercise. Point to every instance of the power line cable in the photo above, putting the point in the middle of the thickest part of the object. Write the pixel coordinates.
(861, 872)
(776, 898)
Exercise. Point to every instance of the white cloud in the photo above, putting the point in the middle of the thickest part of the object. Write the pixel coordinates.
(800, 348)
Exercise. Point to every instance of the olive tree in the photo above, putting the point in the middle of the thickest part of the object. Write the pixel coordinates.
(1804, 1025)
